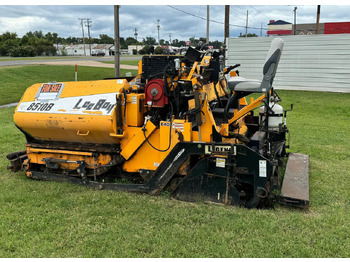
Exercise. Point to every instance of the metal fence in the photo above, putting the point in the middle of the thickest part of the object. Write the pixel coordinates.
(308, 62)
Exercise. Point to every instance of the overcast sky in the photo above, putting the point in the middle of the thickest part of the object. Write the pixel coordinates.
(63, 19)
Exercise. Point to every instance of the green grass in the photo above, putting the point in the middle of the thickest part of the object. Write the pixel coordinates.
(16, 79)
(47, 219)
(124, 62)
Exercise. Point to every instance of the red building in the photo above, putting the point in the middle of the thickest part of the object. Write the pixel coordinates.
(281, 27)
(337, 28)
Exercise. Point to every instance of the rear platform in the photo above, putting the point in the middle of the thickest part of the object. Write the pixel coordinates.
(295, 187)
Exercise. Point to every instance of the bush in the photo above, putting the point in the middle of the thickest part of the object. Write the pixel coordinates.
(142, 52)
(50, 50)
(64, 51)
(159, 50)
(3, 51)
(40, 49)
(145, 50)
(23, 51)
(47, 50)
(134, 52)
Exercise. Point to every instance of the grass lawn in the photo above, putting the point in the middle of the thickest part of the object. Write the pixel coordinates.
(16, 79)
(124, 62)
(49, 219)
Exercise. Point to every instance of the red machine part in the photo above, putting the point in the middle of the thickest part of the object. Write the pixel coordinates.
(154, 92)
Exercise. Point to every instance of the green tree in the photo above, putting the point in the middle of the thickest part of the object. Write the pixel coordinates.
(248, 35)
(131, 41)
(178, 43)
(7, 35)
(194, 42)
(105, 39)
(216, 44)
(149, 41)
(38, 34)
(122, 43)
(30, 34)
(49, 36)
(55, 38)
(158, 50)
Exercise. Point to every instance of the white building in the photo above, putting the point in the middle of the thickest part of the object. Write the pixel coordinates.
(78, 50)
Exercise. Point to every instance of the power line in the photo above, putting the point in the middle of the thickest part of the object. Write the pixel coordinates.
(234, 9)
(240, 8)
(195, 30)
(259, 11)
(236, 16)
(211, 20)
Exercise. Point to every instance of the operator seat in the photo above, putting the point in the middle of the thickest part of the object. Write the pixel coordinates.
(240, 84)
(243, 87)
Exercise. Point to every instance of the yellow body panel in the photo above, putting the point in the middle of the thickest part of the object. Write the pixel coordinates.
(65, 124)
(135, 110)
(37, 155)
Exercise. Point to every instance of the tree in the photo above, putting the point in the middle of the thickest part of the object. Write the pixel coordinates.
(38, 34)
(122, 43)
(158, 50)
(25, 40)
(149, 41)
(7, 35)
(216, 44)
(178, 43)
(194, 42)
(54, 38)
(248, 35)
(30, 34)
(131, 41)
(161, 41)
(105, 39)
(49, 36)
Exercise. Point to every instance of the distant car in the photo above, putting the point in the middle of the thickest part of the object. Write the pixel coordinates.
(98, 54)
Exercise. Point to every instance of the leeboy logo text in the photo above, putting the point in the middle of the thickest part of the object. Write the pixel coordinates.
(101, 104)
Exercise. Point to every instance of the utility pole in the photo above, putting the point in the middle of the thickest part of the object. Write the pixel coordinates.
(246, 26)
(207, 24)
(261, 29)
(170, 38)
(158, 27)
(318, 18)
(135, 34)
(116, 42)
(227, 22)
(88, 24)
(295, 20)
(82, 28)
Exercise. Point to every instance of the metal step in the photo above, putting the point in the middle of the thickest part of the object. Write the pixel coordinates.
(295, 187)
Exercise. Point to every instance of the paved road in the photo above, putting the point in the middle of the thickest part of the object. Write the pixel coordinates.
(72, 58)
(92, 63)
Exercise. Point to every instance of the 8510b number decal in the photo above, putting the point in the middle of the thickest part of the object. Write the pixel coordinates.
(40, 106)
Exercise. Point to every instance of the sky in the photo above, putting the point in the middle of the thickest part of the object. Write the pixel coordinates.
(180, 21)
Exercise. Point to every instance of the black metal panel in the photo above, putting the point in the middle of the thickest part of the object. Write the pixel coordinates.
(154, 66)
(207, 183)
